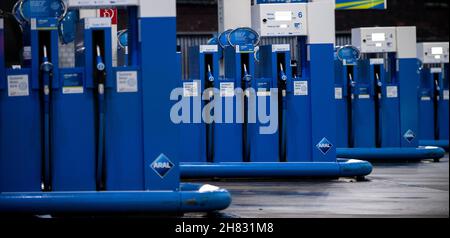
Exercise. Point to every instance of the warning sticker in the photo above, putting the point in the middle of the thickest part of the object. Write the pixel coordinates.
(338, 93)
(18, 85)
(392, 91)
(446, 95)
(190, 89)
(227, 89)
(300, 88)
(127, 82)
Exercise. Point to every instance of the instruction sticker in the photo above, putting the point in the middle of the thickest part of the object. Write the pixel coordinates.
(190, 89)
(338, 93)
(263, 92)
(127, 82)
(281, 48)
(73, 84)
(227, 89)
(73, 90)
(209, 48)
(18, 85)
(392, 91)
(300, 88)
(446, 95)
(364, 96)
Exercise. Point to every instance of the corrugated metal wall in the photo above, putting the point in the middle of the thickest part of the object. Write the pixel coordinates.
(187, 40)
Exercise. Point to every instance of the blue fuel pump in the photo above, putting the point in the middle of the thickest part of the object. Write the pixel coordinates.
(85, 139)
(381, 111)
(433, 95)
(302, 143)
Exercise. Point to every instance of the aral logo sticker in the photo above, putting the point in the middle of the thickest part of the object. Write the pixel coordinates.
(409, 136)
(324, 146)
(162, 165)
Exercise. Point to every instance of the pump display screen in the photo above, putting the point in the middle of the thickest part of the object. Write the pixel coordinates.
(283, 16)
(437, 50)
(378, 37)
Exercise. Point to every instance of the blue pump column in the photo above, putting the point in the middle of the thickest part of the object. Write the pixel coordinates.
(376, 119)
(434, 93)
(343, 102)
(269, 88)
(443, 105)
(159, 78)
(230, 135)
(26, 119)
(363, 106)
(198, 132)
(427, 102)
(408, 79)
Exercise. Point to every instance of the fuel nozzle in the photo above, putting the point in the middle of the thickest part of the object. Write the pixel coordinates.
(379, 83)
(210, 75)
(437, 86)
(283, 76)
(247, 77)
(352, 82)
(99, 64)
(46, 65)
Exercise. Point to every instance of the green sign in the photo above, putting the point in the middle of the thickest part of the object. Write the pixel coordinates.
(360, 4)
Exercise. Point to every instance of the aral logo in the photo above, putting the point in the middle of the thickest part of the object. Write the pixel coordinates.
(162, 165)
(409, 136)
(324, 146)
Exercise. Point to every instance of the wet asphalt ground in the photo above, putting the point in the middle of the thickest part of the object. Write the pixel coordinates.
(392, 190)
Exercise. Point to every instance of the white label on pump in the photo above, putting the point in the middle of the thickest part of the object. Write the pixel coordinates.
(262, 92)
(425, 98)
(18, 85)
(227, 89)
(364, 96)
(97, 22)
(300, 88)
(338, 93)
(209, 48)
(190, 89)
(376, 61)
(281, 48)
(435, 70)
(73, 90)
(26, 53)
(392, 92)
(446, 95)
(127, 82)
(33, 24)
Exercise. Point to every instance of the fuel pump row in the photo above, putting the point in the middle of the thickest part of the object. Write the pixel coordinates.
(85, 138)
(376, 91)
(264, 116)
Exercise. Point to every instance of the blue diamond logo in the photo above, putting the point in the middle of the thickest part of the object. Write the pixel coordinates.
(409, 136)
(162, 165)
(324, 146)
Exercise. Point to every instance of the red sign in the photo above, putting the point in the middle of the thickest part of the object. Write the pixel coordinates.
(111, 13)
